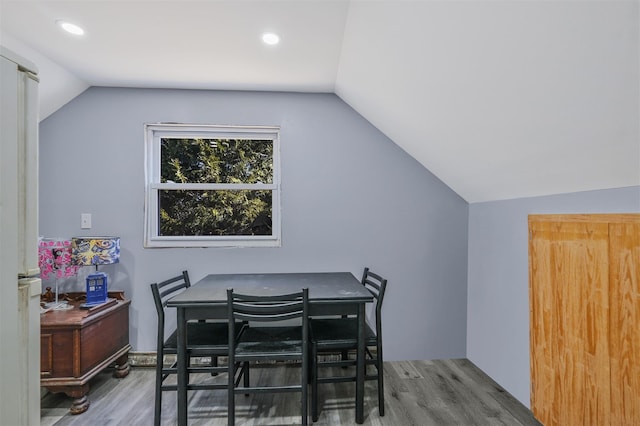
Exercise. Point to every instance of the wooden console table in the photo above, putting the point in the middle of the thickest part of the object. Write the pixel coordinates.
(77, 344)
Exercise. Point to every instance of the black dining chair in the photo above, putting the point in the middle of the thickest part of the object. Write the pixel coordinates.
(204, 339)
(340, 336)
(272, 342)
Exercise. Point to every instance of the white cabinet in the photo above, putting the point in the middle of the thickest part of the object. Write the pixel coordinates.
(19, 281)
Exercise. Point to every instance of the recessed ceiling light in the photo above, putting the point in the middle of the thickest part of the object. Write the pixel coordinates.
(70, 28)
(271, 38)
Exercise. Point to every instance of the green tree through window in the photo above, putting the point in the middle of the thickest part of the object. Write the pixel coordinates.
(215, 212)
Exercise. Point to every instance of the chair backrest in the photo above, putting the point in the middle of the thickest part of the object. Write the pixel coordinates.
(267, 308)
(164, 291)
(376, 286)
(242, 307)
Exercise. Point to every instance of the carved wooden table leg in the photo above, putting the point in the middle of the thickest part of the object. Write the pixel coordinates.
(79, 405)
(122, 367)
(80, 402)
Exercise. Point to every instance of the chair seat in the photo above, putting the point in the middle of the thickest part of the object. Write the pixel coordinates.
(269, 342)
(206, 336)
(339, 333)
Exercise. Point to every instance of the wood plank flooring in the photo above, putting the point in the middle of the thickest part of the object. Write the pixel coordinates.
(421, 393)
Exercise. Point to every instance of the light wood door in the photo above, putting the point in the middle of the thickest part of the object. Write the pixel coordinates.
(584, 273)
(624, 337)
(569, 323)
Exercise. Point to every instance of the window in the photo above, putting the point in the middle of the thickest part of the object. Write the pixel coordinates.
(212, 186)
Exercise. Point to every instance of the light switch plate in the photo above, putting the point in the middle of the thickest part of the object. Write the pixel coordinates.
(85, 221)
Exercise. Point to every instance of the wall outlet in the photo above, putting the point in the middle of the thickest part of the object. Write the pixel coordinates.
(85, 221)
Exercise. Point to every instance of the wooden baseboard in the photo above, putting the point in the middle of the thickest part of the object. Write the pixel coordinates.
(148, 359)
(143, 359)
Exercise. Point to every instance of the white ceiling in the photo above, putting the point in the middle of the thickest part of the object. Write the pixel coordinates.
(499, 99)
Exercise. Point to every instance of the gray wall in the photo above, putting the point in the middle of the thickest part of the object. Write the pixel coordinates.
(350, 198)
(498, 313)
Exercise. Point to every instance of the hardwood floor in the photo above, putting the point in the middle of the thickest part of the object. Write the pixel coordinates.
(439, 392)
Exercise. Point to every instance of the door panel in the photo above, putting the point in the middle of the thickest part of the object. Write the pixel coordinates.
(625, 323)
(569, 273)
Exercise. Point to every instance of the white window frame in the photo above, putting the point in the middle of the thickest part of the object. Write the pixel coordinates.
(154, 132)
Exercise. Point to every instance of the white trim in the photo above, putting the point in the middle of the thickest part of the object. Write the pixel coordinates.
(213, 186)
(155, 132)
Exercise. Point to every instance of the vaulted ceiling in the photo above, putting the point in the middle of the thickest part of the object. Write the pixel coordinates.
(499, 99)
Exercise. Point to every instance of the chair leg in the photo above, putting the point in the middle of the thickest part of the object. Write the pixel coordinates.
(304, 382)
(314, 383)
(188, 366)
(231, 403)
(214, 363)
(245, 373)
(379, 367)
(158, 397)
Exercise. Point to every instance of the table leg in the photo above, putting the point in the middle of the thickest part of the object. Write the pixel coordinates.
(182, 368)
(80, 402)
(79, 405)
(122, 367)
(360, 364)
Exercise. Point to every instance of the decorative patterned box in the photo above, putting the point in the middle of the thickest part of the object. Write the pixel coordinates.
(96, 288)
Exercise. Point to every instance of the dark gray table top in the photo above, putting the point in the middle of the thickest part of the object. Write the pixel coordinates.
(324, 287)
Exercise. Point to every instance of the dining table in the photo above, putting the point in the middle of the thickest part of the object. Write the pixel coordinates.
(330, 293)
